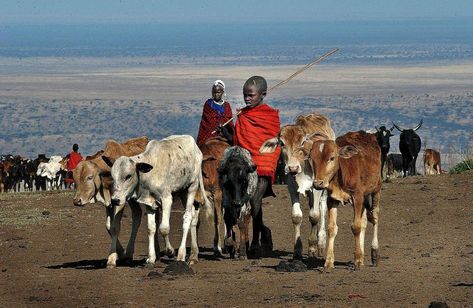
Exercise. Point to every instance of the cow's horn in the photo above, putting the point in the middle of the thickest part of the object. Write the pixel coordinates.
(376, 129)
(397, 127)
(418, 126)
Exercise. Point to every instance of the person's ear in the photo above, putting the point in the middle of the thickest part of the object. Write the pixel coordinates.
(263, 94)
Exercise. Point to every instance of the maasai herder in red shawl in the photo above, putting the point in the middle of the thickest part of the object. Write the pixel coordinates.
(216, 112)
(253, 127)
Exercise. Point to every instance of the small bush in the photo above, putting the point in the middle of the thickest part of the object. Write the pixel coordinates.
(461, 167)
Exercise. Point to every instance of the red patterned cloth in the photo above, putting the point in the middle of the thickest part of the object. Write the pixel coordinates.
(74, 160)
(211, 119)
(252, 128)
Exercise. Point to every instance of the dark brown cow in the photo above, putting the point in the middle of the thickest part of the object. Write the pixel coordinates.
(212, 151)
(349, 169)
(432, 162)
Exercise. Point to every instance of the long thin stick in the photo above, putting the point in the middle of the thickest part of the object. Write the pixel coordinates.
(313, 62)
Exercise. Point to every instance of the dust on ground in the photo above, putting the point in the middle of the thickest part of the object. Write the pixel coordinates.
(54, 254)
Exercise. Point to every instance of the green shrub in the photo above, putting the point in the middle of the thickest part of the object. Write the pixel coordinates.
(461, 167)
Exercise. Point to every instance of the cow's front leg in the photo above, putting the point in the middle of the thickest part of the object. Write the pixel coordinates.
(358, 226)
(218, 224)
(194, 256)
(186, 222)
(296, 216)
(164, 227)
(244, 225)
(136, 221)
(151, 217)
(108, 225)
(332, 233)
(317, 213)
(373, 217)
(115, 232)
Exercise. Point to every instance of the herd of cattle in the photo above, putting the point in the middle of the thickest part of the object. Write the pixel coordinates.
(20, 174)
(221, 179)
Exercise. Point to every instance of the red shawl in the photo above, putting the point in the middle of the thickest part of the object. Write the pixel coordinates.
(253, 127)
(74, 160)
(211, 119)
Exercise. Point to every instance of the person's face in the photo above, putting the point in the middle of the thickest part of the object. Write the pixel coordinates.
(217, 93)
(252, 97)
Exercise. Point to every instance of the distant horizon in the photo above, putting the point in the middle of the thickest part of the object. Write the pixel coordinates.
(463, 19)
(221, 12)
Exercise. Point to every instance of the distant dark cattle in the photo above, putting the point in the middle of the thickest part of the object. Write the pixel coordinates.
(432, 162)
(394, 164)
(409, 145)
(382, 137)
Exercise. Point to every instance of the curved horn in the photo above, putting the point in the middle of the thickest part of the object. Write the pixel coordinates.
(418, 126)
(391, 129)
(397, 127)
(376, 129)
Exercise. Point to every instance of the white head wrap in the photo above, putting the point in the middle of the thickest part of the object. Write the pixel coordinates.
(220, 83)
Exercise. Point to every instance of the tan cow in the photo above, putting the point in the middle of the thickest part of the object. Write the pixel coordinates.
(432, 162)
(296, 142)
(212, 151)
(349, 169)
(92, 186)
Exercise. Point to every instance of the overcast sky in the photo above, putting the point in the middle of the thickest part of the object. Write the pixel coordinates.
(212, 11)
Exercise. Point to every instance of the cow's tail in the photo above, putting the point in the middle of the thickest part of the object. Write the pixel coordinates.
(207, 205)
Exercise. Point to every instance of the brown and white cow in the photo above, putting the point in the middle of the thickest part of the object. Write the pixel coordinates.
(349, 169)
(296, 143)
(432, 163)
(92, 186)
(168, 168)
(212, 151)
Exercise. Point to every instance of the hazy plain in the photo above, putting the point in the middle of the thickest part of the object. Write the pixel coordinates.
(47, 103)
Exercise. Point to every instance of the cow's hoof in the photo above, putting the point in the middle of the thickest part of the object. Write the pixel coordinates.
(218, 253)
(193, 260)
(312, 253)
(374, 257)
(297, 256)
(243, 258)
(112, 260)
(151, 261)
(169, 252)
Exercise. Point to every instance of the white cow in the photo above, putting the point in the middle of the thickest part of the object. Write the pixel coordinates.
(167, 167)
(50, 171)
(296, 142)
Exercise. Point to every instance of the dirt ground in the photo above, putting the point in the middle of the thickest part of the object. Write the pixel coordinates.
(54, 254)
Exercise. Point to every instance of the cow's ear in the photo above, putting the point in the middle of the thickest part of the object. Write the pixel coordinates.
(143, 167)
(269, 146)
(347, 151)
(105, 174)
(108, 161)
(252, 168)
(305, 151)
(208, 158)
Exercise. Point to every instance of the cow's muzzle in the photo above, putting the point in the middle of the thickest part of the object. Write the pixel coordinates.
(318, 184)
(77, 202)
